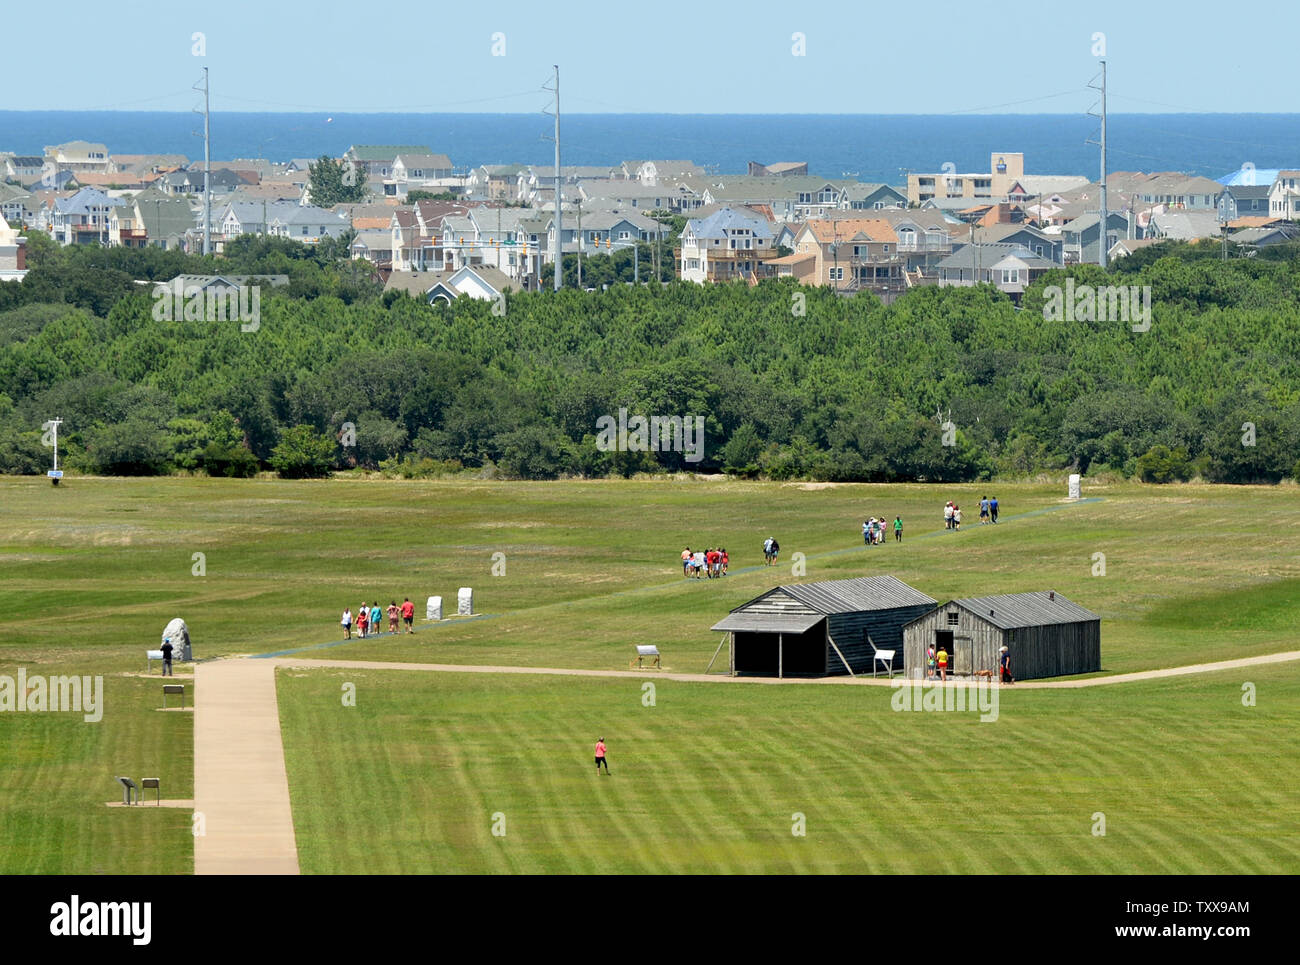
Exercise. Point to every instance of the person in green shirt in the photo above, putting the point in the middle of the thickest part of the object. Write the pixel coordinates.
(898, 529)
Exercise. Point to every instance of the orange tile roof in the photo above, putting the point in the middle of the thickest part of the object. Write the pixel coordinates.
(846, 229)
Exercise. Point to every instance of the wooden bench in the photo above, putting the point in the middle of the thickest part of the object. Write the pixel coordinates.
(647, 652)
(174, 689)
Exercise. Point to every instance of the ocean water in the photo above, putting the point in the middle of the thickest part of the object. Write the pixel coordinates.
(866, 146)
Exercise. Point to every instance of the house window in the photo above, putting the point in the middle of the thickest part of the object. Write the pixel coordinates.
(953, 618)
(836, 274)
(304, 229)
(1011, 276)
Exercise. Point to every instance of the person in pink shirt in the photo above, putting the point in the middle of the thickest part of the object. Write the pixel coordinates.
(600, 755)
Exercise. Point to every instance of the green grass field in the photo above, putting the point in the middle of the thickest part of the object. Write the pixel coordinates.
(90, 573)
(708, 779)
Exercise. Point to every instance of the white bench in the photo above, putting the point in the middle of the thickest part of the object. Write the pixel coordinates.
(643, 652)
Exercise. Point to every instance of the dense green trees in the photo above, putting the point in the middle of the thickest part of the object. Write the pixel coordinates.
(944, 384)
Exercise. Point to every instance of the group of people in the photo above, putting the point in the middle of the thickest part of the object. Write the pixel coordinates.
(369, 618)
(988, 512)
(936, 664)
(701, 563)
(771, 548)
(873, 530)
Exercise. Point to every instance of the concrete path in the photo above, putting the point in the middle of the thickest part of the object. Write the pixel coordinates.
(240, 785)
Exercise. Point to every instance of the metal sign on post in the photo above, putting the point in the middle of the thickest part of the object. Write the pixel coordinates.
(56, 473)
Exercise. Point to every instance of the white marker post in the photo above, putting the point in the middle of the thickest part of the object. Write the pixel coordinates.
(56, 473)
(1074, 486)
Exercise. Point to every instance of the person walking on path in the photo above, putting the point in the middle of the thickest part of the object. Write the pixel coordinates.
(363, 620)
(984, 510)
(376, 615)
(929, 662)
(898, 529)
(600, 755)
(1004, 660)
(947, 514)
(347, 624)
(408, 613)
(392, 616)
(993, 509)
(956, 517)
(167, 658)
(942, 657)
(687, 557)
(776, 548)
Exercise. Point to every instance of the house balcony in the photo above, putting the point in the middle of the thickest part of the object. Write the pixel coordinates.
(132, 235)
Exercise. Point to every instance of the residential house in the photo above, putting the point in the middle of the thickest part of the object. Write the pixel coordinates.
(142, 164)
(657, 173)
(306, 223)
(1178, 191)
(154, 218)
(780, 169)
(1009, 268)
(1006, 169)
(730, 244)
(863, 196)
(13, 253)
(1284, 196)
(1183, 225)
(849, 255)
(23, 168)
(1038, 242)
(1080, 236)
(376, 160)
(79, 156)
(11, 203)
(924, 237)
(494, 182)
(83, 218)
(412, 171)
(1243, 201)
(472, 281)
(1279, 233)
(374, 246)
(793, 198)
(628, 194)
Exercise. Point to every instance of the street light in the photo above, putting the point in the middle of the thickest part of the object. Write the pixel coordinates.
(636, 256)
(56, 473)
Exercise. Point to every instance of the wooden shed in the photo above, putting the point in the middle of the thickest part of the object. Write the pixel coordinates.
(1046, 635)
(821, 629)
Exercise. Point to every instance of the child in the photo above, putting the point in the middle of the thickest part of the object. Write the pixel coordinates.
(929, 662)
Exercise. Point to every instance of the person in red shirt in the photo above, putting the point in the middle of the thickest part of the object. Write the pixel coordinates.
(600, 755)
(408, 613)
(725, 560)
(363, 620)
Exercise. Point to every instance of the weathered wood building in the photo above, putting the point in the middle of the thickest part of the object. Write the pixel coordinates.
(820, 629)
(1045, 634)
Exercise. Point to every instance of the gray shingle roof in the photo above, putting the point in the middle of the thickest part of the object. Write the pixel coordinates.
(1026, 609)
(742, 621)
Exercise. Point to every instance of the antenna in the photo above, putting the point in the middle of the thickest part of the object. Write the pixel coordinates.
(1102, 254)
(53, 426)
(207, 166)
(559, 216)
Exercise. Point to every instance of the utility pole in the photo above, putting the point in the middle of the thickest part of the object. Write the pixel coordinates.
(1104, 215)
(559, 193)
(207, 166)
(54, 474)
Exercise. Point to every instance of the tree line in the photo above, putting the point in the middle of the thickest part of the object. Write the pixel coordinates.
(942, 385)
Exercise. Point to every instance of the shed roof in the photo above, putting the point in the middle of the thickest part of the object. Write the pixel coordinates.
(1039, 609)
(742, 621)
(860, 594)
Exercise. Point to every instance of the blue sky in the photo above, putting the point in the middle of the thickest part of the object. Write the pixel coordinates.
(679, 57)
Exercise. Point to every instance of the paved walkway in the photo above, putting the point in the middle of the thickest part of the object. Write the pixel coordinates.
(240, 785)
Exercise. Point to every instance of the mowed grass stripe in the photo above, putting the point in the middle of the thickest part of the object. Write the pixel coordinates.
(707, 780)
